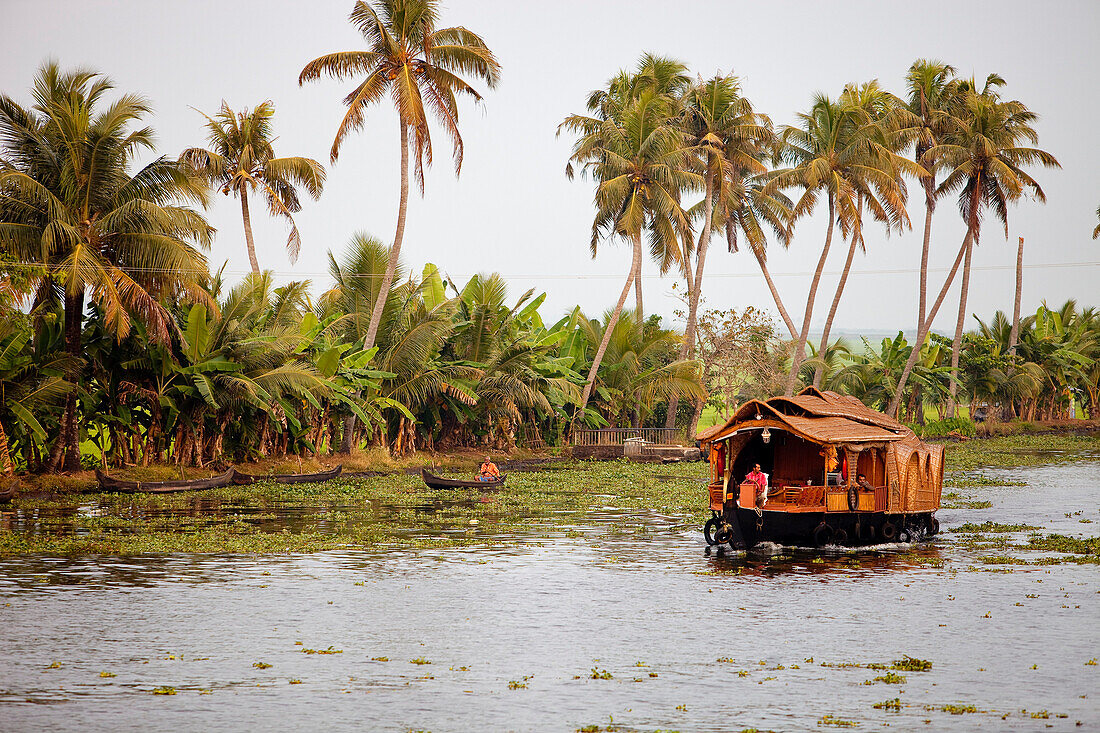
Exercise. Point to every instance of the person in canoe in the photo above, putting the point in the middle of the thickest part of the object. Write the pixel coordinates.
(488, 471)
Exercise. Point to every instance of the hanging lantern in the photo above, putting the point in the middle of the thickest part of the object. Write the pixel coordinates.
(766, 436)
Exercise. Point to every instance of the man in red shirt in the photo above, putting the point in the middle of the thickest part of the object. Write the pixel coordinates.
(761, 481)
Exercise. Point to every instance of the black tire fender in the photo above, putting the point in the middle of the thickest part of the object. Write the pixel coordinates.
(888, 531)
(840, 537)
(853, 499)
(865, 531)
(709, 530)
(823, 533)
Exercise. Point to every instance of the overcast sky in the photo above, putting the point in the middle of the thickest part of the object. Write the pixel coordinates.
(513, 210)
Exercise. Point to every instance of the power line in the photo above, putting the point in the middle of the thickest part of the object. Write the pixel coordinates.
(582, 276)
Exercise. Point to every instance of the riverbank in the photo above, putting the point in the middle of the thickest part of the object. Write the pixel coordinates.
(397, 510)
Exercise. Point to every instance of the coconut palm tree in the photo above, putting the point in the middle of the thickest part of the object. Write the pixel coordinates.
(727, 135)
(420, 66)
(882, 119)
(985, 164)
(831, 151)
(932, 93)
(70, 203)
(639, 160)
(241, 159)
(667, 80)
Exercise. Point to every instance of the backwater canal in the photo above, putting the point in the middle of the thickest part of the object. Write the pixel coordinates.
(584, 626)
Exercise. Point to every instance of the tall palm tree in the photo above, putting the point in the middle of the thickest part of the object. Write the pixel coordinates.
(883, 117)
(732, 142)
(985, 163)
(241, 159)
(419, 66)
(829, 151)
(639, 160)
(668, 81)
(931, 95)
(70, 203)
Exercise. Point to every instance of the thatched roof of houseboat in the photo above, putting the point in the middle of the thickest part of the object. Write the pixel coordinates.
(817, 415)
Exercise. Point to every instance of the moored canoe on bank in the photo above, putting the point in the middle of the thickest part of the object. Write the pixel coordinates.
(244, 479)
(108, 483)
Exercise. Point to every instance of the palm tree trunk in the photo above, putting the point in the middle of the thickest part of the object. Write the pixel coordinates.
(775, 293)
(6, 464)
(687, 348)
(922, 332)
(395, 250)
(635, 270)
(800, 348)
(249, 242)
(69, 457)
(956, 344)
(638, 300)
(1015, 333)
(929, 208)
(832, 312)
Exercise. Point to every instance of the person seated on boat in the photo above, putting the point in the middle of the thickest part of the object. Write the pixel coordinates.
(761, 481)
(862, 482)
(489, 470)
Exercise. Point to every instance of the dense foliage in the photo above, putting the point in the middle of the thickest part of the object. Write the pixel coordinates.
(119, 346)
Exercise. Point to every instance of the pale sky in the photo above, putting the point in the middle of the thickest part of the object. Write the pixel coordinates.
(513, 210)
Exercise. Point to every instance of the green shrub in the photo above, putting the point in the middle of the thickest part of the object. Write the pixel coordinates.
(960, 425)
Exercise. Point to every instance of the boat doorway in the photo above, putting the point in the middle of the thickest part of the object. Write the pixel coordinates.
(755, 451)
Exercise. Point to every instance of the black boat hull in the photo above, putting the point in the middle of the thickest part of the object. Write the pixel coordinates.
(743, 528)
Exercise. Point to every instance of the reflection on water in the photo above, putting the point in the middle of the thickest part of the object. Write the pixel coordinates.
(692, 638)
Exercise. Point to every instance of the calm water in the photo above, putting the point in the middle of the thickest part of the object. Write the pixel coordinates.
(548, 611)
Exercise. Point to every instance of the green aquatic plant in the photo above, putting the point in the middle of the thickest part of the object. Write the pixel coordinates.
(600, 674)
(164, 690)
(958, 709)
(1063, 543)
(992, 527)
(330, 650)
(107, 674)
(294, 681)
(261, 665)
(890, 678)
(911, 664)
(828, 719)
(893, 704)
(419, 660)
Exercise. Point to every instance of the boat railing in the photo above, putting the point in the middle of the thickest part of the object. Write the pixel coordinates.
(619, 436)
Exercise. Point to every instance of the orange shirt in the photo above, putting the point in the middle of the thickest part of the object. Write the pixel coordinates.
(489, 469)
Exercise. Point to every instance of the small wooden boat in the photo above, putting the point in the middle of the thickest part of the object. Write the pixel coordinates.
(117, 485)
(438, 482)
(244, 479)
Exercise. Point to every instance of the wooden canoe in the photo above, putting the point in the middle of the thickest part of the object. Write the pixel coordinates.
(243, 479)
(438, 482)
(107, 483)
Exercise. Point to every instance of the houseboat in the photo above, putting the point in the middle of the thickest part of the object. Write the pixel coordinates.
(832, 471)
